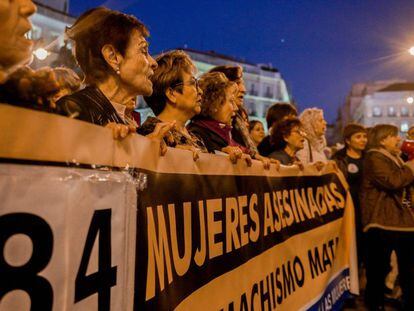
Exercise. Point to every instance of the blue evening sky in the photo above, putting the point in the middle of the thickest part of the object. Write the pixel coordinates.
(320, 47)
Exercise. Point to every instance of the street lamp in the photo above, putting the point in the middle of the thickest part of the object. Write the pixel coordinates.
(41, 53)
(411, 50)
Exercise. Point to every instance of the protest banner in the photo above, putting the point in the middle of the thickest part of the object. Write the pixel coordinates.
(206, 235)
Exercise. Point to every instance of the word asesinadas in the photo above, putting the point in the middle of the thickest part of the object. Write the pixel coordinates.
(225, 225)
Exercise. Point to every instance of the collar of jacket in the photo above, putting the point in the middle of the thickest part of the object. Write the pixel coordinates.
(396, 159)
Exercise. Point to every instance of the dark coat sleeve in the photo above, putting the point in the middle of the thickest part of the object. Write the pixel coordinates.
(341, 163)
(69, 107)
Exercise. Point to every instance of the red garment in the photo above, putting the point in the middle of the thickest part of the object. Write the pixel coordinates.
(137, 117)
(408, 148)
(223, 130)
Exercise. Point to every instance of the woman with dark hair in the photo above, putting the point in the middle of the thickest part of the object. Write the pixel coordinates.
(240, 122)
(218, 106)
(387, 215)
(275, 114)
(111, 49)
(350, 161)
(256, 131)
(288, 139)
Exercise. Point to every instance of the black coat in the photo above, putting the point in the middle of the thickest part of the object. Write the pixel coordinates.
(89, 105)
(211, 140)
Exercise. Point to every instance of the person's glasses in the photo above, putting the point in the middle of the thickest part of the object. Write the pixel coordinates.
(192, 82)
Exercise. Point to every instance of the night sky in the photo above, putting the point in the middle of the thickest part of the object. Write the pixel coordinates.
(320, 47)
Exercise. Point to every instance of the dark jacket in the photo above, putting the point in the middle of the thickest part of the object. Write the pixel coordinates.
(341, 160)
(266, 147)
(283, 157)
(211, 139)
(385, 192)
(89, 105)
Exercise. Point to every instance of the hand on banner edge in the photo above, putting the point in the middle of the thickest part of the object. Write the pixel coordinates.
(234, 153)
(196, 152)
(160, 131)
(120, 131)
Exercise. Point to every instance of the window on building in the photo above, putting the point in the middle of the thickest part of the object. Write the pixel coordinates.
(391, 111)
(269, 93)
(377, 111)
(404, 127)
(404, 111)
(253, 90)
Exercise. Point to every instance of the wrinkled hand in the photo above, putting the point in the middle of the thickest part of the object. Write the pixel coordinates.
(248, 159)
(120, 131)
(276, 163)
(234, 153)
(267, 162)
(196, 152)
(162, 130)
(299, 165)
(319, 165)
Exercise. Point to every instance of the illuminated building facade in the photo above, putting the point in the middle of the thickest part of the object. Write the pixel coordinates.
(264, 84)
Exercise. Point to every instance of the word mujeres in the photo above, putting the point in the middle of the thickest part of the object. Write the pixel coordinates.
(224, 225)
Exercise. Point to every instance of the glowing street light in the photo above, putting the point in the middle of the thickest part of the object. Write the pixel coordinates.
(41, 53)
(410, 100)
(411, 50)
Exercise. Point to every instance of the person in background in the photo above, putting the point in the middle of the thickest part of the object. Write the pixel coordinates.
(14, 24)
(112, 51)
(314, 126)
(176, 98)
(30, 88)
(289, 138)
(350, 161)
(240, 122)
(407, 146)
(68, 82)
(213, 125)
(256, 131)
(276, 113)
(387, 215)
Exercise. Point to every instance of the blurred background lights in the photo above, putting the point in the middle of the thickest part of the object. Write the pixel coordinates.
(40, 53)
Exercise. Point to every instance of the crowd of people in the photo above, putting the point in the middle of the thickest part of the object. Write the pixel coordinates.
(206, 114)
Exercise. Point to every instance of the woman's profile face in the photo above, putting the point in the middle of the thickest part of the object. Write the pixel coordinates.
(319, 125)
(137, 66)
(392, 143)
(14, 24)
(226, 111)
(257, 133)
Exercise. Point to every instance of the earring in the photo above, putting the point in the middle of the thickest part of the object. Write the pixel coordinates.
(118, 71)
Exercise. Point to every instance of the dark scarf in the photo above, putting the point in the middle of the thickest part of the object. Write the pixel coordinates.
(221, 129)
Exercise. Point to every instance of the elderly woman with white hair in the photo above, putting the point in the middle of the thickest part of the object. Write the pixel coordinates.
(314, 126)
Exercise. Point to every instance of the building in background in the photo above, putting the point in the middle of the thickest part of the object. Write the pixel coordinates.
(49, 24)
(347, 113)
(393, 104)
(264, 84)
